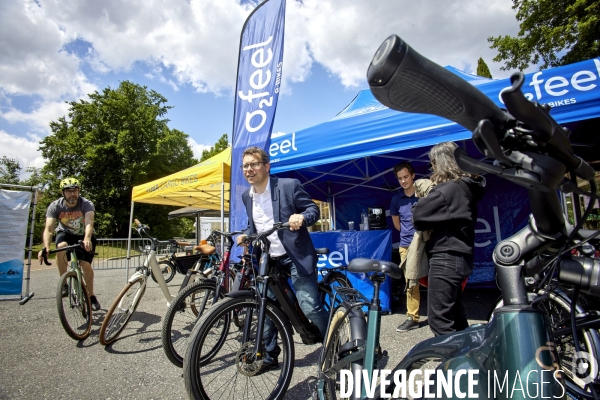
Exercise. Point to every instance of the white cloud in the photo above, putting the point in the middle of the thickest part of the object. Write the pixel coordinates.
(197, 148)
(39, 118)
(24, 150)
(344, 35)
(60, 50)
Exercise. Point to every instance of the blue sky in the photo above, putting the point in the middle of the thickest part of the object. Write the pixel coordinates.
(52, 52)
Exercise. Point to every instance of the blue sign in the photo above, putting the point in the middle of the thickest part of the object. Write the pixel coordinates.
(345, 245)
(257, 91)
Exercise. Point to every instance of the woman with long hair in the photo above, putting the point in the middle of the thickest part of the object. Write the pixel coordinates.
(450, 212)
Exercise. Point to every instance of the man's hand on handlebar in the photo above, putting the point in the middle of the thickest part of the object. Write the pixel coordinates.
(43, 256)
(240, 240)
(296, 221)
(87, 245)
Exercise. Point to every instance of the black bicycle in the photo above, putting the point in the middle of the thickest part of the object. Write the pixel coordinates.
(224, 360)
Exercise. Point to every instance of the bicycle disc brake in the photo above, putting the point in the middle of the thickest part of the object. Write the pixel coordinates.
(247, 362)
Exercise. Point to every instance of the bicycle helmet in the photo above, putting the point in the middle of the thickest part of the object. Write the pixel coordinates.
(69, 183)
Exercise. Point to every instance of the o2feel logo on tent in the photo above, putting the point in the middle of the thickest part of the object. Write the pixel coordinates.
(282, 144)
(559, 90)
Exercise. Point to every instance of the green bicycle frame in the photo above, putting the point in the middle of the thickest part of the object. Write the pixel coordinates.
(74, 266)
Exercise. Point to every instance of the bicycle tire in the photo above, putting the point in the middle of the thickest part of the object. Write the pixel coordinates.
(558, 309)
(221, 368)
(75, 318)
(168, 271)
(341, 333)
(181, 317)
(120, 312)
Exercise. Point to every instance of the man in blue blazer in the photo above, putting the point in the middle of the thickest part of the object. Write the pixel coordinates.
(271, 199)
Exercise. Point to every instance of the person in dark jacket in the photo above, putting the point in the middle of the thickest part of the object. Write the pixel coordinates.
(450, 212)
(271, 199)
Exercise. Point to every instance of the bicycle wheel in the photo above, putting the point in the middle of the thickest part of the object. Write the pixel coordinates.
(75, 316)
(121, 310)
(339, 337)
(185, 309)
(219, 364)
(558, 309)
(168, 271)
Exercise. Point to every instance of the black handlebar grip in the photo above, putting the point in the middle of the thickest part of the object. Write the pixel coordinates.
(403, 80)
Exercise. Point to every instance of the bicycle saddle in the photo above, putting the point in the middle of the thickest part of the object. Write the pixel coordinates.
(205, 249)
(369, 265)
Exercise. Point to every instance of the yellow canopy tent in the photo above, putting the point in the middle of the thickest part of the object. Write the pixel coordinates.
(200, 186)
(205, 185)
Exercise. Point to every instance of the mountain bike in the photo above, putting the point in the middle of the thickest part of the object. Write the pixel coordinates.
(75, 309)
(121, 310)
(224, 360)
(529, 148)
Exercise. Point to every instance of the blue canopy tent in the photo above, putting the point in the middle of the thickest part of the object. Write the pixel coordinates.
(347, 161)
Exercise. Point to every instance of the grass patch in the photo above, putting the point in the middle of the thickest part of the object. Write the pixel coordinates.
(104, 251)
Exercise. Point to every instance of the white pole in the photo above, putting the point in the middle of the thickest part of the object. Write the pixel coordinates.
(129, 241)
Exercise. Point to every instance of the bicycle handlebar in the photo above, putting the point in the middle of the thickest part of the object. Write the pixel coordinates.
(403, 80)
(248, 239)
(46, 252)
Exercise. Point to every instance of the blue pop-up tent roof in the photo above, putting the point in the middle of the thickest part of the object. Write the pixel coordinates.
(366, 139)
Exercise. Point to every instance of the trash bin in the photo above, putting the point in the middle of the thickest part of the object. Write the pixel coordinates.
(188, 250)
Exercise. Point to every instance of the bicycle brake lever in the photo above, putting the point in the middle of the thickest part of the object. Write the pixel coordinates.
(473, 166)
(487, 142)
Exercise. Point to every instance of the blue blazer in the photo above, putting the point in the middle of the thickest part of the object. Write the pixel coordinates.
(289, 197)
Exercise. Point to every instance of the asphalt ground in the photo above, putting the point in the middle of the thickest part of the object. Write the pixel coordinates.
(39, 361)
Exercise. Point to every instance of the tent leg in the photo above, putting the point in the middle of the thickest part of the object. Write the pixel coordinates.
(129, 242)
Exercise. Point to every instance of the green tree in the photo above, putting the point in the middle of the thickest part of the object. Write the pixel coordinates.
(553, 32)
(9, 171)
(221, 145)
(112, 142)
(482, 69)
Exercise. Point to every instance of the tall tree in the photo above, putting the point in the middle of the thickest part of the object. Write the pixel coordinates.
(221, 145)
(116, 140)
(482, 69)
(9, 171)
(553, 32)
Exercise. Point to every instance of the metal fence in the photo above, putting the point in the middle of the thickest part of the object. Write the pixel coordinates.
(112, 253)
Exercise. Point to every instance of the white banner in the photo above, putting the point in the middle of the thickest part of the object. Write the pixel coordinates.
(14, 209)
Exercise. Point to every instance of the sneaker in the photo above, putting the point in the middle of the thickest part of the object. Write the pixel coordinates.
(408, 325)
(65, 291)
(95, 303)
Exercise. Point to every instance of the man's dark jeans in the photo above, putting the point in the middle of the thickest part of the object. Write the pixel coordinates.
(447, 271)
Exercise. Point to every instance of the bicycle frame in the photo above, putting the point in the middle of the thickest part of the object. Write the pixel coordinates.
(365, 343)
(74, 266)
(277, 282)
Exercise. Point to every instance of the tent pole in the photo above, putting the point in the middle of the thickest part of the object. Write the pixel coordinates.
(223, 204)
(129, 242)
(334, 223)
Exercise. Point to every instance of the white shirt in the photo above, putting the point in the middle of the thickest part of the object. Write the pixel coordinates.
(262, 215)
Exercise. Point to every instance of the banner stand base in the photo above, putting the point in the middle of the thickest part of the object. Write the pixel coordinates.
(26, 298)
(10, 297)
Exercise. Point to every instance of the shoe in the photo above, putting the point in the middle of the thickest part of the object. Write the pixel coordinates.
(65, 291)
(269, 364)
(407, 325)
(95, 303)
